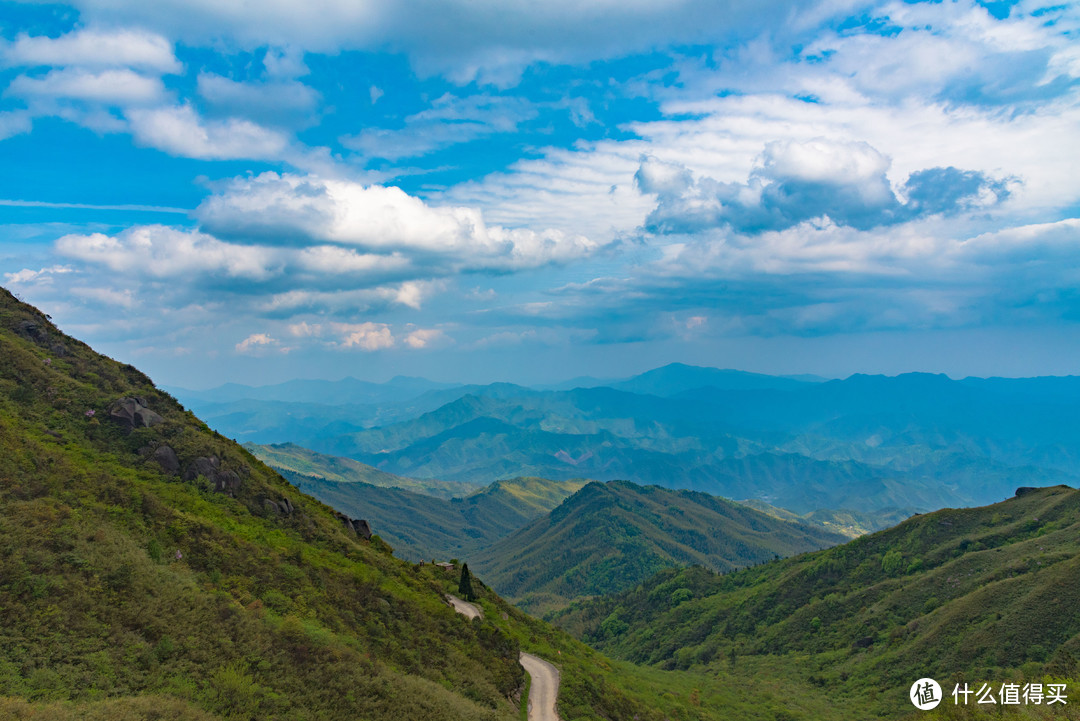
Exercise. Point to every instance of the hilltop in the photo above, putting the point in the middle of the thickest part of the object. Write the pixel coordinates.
(422, 527)
(292, 458)
(979, 594)
(150, 568)
(611, 536)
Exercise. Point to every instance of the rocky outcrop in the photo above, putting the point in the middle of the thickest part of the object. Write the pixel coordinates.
(209, 467)
(134, 413)
(360, 527)
(166, 458)
(38, 332)
(284, 507)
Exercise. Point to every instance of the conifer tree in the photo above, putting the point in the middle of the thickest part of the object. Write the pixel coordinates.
(465, 585)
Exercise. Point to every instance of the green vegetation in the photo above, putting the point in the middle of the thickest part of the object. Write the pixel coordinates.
(980, 594)
(465, 589)
(420, 527)
(289, 457)
(864, 444)
(851, 524)
(118, 579)
(611, 536)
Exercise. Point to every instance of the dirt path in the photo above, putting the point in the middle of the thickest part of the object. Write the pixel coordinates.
(466, 609)
(544, 689)
(545, 677)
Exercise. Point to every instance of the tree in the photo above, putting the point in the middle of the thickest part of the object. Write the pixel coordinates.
(465, 585)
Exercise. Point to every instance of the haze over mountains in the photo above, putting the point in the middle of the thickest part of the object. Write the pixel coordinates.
(866, 443)
(150, 568)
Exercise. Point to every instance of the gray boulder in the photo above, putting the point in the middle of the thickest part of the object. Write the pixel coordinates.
(202, 466)
(360, 527)
(133, 413)
(166, 458)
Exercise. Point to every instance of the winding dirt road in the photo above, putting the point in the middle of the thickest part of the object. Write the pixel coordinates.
(545, 677)
(466, 609)
(544, 689)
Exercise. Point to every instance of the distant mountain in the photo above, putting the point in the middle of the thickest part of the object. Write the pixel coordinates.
(677, 378)
(291, 458)
(422, 527)
(150, 568)
(865, 443)
(969, 595)
(851, 524)
(611, 536)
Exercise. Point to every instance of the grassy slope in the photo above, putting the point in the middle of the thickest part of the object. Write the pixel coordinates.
(851, 524)
(297, 459)
(421, 527)
(118, 580)
(608, 537)
(131, 594)
(986, 592)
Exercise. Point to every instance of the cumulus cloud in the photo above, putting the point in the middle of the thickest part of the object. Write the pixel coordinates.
(464, 40)
(29, 275)
(158, 251)
(795, 181)
(112, 87)
(254, 342)
(426, 338)
(364, 336)
(290, 209)
(94, 48)
(179, 130)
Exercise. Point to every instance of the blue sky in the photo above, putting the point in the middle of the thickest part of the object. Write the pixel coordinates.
(534, 191)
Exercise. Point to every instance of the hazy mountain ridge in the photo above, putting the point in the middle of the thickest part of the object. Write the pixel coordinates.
(865, 442)
(196, 584)
(610, 536)
(965, 594)
(423, 527)
(290, 457)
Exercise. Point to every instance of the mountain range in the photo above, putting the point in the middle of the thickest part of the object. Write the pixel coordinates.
(864, 443)
(151, 568)
(970, 595)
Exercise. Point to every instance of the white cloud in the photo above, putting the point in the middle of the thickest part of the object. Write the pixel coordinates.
(180, 131)
(114, 87)
(425, 338)
(450, 120)
(364, 336)
(90, 48)
(14, 122)
(465, 40)
(157, 251)
(303, 329)
(295, 209)
(125, 298)
(29, 275)
(254, 342)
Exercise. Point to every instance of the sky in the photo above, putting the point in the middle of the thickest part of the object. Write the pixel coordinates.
(479, 190)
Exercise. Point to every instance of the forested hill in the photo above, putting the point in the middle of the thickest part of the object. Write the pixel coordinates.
(611, 536)
(978, 594)
(150, 568)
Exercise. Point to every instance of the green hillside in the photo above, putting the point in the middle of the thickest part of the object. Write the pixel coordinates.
(291, 457)
(851, 524)
(151, 569)
(421, 527)
(979, 594)
(611, 536)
